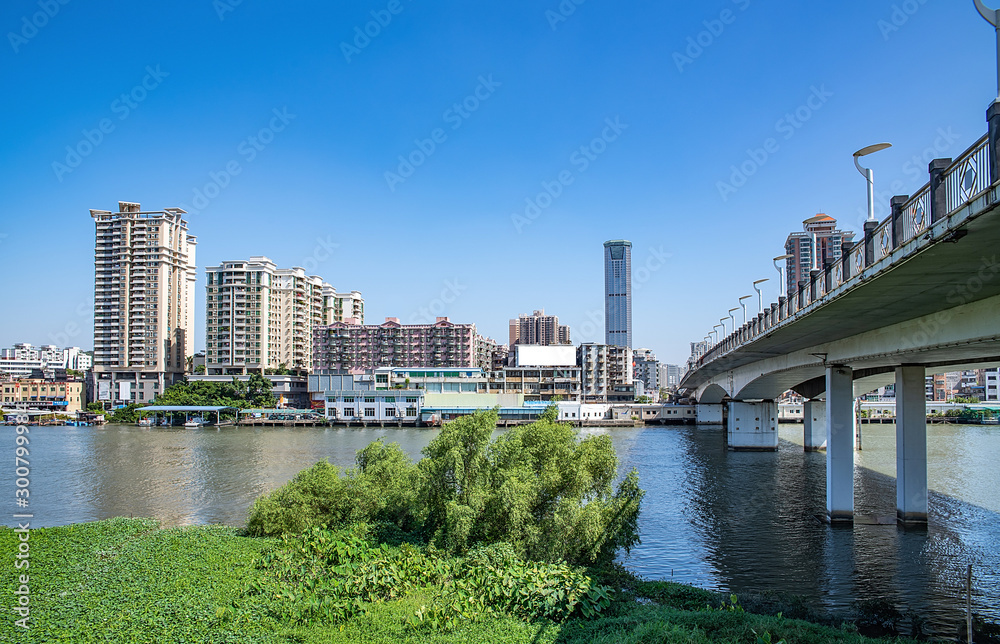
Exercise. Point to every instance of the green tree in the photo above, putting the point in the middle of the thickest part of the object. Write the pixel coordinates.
(643, 400)
(259, 394)
(95, 407)
(126, 415)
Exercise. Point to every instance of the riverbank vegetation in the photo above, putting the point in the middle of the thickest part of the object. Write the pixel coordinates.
(483, 540)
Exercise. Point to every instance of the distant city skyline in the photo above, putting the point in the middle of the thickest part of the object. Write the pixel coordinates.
(516, 146)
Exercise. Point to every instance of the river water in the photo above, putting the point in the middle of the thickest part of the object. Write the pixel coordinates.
(717, 519)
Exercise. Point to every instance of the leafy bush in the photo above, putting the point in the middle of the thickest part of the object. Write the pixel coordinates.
(538, 488)
(382, 488)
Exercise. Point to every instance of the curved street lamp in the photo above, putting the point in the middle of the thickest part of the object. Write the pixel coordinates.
(760, 296)
(733, 319)
(781, 274)
(723, 320)
(868, 174)
(992, 16)
(745, 297)
(717, 336)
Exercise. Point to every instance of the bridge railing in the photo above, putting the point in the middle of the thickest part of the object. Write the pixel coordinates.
(953, 186)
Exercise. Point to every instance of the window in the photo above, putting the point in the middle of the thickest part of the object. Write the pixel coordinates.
(349, 412)
(348, 399)
(382, 378)
(369, 412)
(369, 399)
(411, 412)
(390, 399)
(411, 399)
(391, 411)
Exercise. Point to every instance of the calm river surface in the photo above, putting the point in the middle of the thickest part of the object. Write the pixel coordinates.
(717, 519)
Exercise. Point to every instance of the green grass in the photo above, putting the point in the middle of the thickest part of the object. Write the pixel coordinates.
(127, 580)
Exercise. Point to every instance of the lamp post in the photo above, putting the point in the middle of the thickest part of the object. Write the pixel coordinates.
(717, 336)
(760, 296)
(745, 297)
(733, 319)
(992, 16)
(868, 174)
(781, 274)
(723, 320)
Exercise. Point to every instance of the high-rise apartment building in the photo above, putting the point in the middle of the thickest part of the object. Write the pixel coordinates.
(618, 293)
(144, 292)
(338, 307)
(819, 242)
(646, 368)
(260, 317)
(539, 328)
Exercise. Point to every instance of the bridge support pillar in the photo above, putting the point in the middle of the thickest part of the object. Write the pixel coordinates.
(753, 427)
(840, 444)
(814, 423)
(709, 414)
(911, 445)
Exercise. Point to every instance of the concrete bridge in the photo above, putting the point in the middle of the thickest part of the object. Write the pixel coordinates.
(920, 294)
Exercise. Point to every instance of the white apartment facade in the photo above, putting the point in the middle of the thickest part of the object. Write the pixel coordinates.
(144, 293)
(603, 368)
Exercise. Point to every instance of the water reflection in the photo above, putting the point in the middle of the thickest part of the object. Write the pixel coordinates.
(717, 519)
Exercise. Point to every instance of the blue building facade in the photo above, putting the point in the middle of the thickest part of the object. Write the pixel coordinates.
(618, 293)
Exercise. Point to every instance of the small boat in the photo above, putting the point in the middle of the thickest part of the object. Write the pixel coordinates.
(195, 422)
(146, 422)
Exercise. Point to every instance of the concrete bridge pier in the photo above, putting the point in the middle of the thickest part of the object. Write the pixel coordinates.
(840, 444)
(814, 424)
(708, 414)
(753, 427)
(911, 445)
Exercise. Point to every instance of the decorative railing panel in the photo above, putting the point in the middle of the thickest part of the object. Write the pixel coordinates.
(917, 214)
(883, 239)
(968, 176)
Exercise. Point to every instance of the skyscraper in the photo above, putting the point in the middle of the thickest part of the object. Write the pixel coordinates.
(618, 293)
(143, 301)
(820, 240)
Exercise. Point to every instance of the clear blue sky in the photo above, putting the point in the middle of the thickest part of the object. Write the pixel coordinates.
(548, 83)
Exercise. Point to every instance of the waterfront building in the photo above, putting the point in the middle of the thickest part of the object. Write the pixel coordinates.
(606, 372)
(144, 294)
(62, 396)
(356, 398)
(819, 242)
(670, 376)
(991, 384)
(646, 369)
(538, 328)
(618, 293)
(349, 346)
(259, 317)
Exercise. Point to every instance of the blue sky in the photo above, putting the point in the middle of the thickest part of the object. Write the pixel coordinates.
(626, 116)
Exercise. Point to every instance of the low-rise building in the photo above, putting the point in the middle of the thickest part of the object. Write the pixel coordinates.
(62, 396)
(354, 398)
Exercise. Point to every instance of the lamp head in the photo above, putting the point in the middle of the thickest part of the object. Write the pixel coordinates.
(863, 152)
(761, 281)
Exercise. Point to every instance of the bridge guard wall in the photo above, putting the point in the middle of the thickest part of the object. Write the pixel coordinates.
(753, 426)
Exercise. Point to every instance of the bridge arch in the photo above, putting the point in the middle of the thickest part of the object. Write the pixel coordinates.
(713, 394)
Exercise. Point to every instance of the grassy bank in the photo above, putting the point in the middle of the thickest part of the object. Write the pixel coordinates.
(127, 580)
